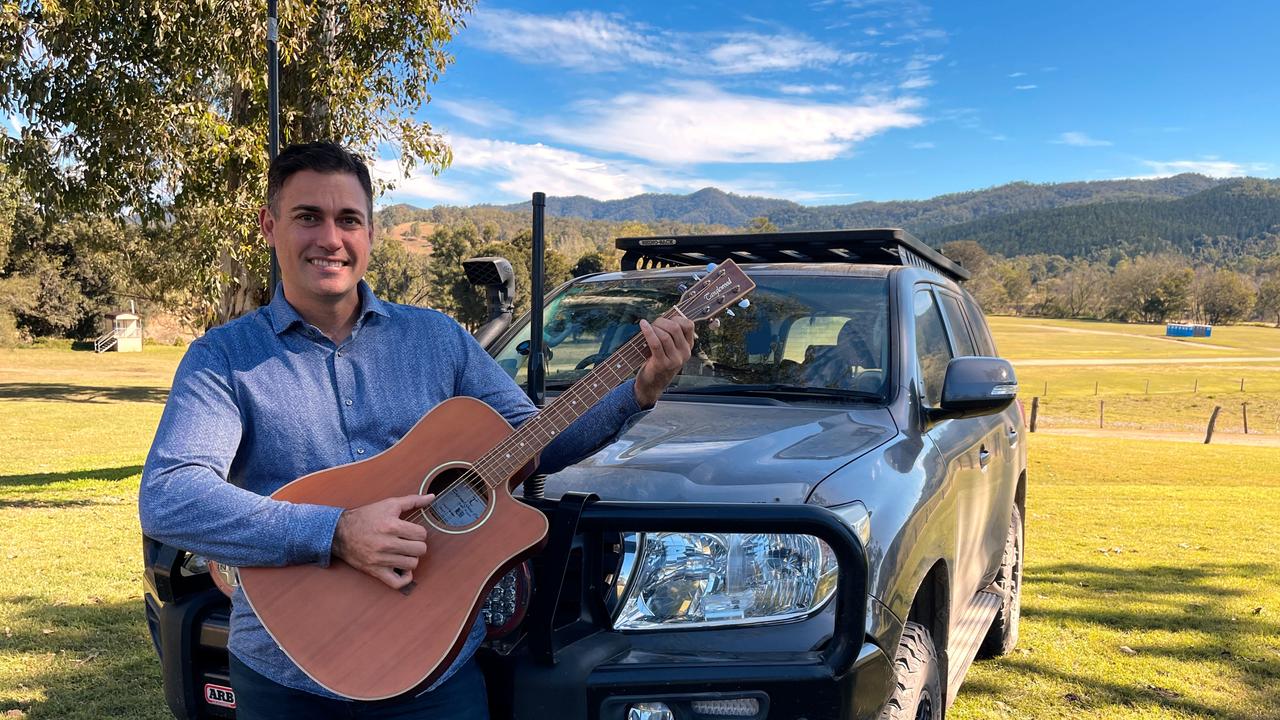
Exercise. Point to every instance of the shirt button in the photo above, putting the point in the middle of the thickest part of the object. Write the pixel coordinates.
(359, 451)
(348, 403)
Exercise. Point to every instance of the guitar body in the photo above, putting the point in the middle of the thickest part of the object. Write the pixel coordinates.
(350, 632)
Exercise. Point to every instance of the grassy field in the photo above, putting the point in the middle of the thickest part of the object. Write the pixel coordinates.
(1145, 381)
(1152, 579)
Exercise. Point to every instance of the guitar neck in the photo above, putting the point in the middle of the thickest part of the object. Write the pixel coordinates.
(536, 433)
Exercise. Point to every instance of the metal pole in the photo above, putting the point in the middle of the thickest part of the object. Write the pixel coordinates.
(273, 109)
(537, 372)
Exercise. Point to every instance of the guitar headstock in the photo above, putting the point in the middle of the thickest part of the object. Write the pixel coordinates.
(722, 286)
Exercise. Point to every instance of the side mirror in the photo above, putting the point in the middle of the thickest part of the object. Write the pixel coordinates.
(975, 386)
(495, 275)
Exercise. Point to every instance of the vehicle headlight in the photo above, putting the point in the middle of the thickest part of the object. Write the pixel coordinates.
(702, 579)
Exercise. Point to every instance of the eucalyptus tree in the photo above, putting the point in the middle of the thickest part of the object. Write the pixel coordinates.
(156, 113)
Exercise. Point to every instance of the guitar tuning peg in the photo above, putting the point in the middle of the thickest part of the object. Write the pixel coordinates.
(745, 303)
(714, 324)
(729, 313)
(697, 277)
(711, 266)
(682, 287)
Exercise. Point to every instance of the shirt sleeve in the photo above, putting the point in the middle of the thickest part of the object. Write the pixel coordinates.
(185, 499)
(479, 376)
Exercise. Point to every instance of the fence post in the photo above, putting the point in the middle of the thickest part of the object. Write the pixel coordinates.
(1241, 384)
(1102, 406)
(1196, 389)
(1035, 411)
(1095, 388)
(1213, 419)
(1148, 390)
(1244, 410)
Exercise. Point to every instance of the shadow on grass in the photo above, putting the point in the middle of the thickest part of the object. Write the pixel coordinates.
(1119, 598)
(82, 393)
(96, 661)
(115, 474)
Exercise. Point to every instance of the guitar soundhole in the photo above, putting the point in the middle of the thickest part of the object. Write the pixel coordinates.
(462, 499)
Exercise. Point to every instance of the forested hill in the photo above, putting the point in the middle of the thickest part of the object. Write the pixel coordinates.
(713, 206)
(706, 206)
(1237, 218)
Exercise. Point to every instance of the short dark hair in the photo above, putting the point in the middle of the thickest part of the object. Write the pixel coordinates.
(324, 157)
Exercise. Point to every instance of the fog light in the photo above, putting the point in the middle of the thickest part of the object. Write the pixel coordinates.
(736, 707)
(649, 711)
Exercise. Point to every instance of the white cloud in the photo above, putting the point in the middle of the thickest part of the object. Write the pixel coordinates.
(479, 112)
(588, 41)
(922, 146)
(420, 185)
(752, 53)
(916, 71)
(1211, 166)
(1079, 139)
(596, 42)
(1017, 75)
(697, 123)
(809, 89)
(1025, 87)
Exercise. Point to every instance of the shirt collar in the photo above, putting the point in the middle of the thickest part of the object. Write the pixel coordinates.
(283, 316)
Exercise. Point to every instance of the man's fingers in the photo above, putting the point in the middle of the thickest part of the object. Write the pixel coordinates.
(391, 578)
(650, 337)
(395, 561)
(413, 502)
(410, 548)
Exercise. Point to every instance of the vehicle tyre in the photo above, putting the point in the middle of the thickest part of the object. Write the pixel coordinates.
(917, 692)
(1003, 635)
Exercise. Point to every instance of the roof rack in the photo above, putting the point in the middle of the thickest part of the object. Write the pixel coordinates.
(873, 246)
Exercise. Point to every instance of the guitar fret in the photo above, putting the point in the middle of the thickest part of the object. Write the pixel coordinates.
(517, 450)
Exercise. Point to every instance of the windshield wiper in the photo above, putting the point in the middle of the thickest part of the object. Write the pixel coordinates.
(777, 390)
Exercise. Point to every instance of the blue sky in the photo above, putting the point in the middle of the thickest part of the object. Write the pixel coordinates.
(837, 101)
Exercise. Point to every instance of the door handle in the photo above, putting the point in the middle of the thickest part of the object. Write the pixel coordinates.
(984, 456)
(1013, 434)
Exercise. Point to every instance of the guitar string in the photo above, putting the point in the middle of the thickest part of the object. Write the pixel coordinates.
(474, 478)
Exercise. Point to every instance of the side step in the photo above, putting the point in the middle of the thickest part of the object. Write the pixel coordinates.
(967, 636)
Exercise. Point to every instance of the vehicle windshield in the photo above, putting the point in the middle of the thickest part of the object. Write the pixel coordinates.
(811, 332)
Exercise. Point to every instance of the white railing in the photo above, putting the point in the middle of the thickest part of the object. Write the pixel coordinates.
(106, 342)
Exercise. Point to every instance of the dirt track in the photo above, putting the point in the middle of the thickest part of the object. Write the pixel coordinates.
(1191, 437)
(1145, 361)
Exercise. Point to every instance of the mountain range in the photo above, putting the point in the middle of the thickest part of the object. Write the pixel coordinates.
(713, 206)
(1216, 220)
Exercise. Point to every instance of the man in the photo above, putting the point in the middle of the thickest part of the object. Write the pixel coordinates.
(324, 375)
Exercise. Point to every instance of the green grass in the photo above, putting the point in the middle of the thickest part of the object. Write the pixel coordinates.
(76, 426)
(1031, 338)
(1195, 526)
(1167, 549)
(1154, 396)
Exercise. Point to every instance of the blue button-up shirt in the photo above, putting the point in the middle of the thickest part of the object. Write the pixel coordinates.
(268, 398)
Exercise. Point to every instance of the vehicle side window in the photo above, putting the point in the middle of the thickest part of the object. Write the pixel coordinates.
(805, 334)
(932, 350)
(978, 323)
(960, 336)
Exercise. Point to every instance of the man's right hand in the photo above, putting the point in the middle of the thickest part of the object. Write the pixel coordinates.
(373, 539)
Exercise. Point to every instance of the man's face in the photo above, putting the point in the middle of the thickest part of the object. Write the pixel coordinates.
(322, 234)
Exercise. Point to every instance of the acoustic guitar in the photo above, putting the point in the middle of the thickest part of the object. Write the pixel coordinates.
(359, 638)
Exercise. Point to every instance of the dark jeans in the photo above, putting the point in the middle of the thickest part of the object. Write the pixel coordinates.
(461, 697)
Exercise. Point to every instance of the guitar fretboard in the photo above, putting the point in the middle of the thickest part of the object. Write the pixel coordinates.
(504, 460)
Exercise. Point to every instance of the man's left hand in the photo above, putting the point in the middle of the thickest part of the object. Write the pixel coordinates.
(669, 340)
